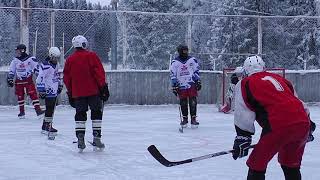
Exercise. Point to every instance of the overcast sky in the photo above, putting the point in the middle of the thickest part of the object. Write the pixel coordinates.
(102, 2)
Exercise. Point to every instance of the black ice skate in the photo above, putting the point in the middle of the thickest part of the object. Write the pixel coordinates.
(21, 115)
(40, 114)
(184, 122)
(81, 143)
(97, 144)
(194, 123)
(47, 129)
(52, 132)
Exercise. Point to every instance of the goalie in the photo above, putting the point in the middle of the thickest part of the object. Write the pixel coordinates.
(235, 78)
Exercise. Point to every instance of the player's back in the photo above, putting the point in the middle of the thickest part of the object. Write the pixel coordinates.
(81, 65)
(272, 98)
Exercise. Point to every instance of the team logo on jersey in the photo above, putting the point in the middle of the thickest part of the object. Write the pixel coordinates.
(21, 65)
(184, 68)
(184, 71)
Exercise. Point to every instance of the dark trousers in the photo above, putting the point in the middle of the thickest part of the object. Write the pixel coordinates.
(82, 104)
(50, 106)
(192, 102)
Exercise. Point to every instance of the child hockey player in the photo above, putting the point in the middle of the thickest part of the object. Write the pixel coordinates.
(185, 80)
(20, 74)
(49, 86)
(235, 77)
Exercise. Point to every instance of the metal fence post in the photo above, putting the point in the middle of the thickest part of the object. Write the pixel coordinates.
(259, 36)
(24, 22)
(114, 34)
(52, 29)
(189, 34)
(124, 40)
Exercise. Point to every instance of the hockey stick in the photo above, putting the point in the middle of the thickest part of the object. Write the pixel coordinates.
(181, 127)
(158, 156)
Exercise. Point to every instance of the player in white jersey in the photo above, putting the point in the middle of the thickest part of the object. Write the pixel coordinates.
(20, 74)
(49, 85)
(185, 81)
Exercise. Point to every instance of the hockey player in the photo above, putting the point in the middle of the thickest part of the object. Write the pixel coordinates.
(49, 86)
(20, 74)
(270, 100)
(84, 78)
(185, 81)
(235, 77)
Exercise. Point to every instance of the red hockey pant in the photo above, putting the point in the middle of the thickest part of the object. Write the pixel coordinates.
(26, 86)
(289, 143)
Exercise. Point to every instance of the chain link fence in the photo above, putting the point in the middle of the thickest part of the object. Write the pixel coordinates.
(148, 40)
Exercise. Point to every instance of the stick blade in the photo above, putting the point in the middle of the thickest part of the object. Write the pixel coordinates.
(158, 156)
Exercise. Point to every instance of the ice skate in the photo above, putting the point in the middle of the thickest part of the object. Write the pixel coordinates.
(81, 143)
(40, 114)
(21, 115)
(194, 123)
(184, 122)
(43, 128)
(47, 129)
(97, 144)
(52, 132)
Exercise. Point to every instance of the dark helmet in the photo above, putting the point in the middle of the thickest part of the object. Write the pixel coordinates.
(21, 47)
(183, 51)
(182, 47)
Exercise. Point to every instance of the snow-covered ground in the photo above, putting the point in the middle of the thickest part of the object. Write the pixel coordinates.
(25, 154)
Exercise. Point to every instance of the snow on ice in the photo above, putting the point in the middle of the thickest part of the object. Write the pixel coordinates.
(25, 154)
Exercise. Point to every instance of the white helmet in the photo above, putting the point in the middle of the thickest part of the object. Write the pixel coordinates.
(54, 52)
(253, 64)
(79, 42)
(238, 70)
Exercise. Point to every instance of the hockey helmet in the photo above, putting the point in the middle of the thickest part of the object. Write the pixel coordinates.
(79, 42)
(253, 64)
(54, 52)
(183, 50)
(21, 47)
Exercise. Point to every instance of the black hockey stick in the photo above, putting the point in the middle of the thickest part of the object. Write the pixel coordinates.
(158, 156)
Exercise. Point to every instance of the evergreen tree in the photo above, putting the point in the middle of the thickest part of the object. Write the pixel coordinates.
(151, 37)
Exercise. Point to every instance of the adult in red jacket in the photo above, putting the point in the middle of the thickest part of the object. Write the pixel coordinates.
(270, 100)
(84, 78)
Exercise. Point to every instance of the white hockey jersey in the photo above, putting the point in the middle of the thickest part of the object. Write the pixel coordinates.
(22, 69)
(48, 79)
(184, 73)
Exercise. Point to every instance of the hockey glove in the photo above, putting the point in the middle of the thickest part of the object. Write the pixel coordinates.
(175, 90)
(198, 85)
(42, 94)
(10, 82)
(60, 87)
(71, 100)
(241, 146)
(312, 129)
(104, 93)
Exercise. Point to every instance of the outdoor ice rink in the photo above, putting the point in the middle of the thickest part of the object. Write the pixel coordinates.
(25, 154)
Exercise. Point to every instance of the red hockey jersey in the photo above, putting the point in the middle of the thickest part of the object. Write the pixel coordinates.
(83, 74)
(269, 99)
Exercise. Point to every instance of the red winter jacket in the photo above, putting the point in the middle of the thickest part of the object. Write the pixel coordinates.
(83, 74)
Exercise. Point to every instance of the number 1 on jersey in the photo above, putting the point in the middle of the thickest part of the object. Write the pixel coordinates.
(275, 83)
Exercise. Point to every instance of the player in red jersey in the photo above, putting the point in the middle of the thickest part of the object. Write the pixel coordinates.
(270, 100)
(85, 81)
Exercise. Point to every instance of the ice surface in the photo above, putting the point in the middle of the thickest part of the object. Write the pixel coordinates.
(25, 154)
